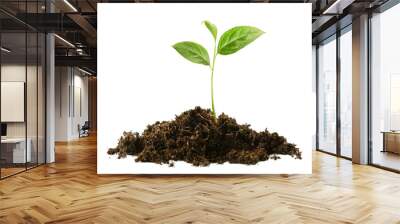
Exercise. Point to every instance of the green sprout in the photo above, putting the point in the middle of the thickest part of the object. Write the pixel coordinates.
(230, 42)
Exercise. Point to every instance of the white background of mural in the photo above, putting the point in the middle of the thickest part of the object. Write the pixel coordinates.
(142, 79)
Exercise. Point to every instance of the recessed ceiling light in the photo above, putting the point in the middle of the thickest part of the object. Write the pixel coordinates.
(5, 50)
(65, 41)
(84, 71)
(338, 6)
(70, 5)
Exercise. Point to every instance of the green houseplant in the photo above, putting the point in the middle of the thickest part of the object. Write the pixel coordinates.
(198, 136)
(230, 42)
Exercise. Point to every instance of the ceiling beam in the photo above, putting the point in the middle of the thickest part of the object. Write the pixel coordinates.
(321, 21)
(86, 26)
(338, 6)
(83, 61)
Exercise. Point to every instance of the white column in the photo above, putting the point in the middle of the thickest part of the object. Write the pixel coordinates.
(50, 92)
(360, 90)
(50, 100)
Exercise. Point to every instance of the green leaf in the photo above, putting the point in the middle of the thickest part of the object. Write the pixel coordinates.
(193, 52)
(237, 38)
(212, 28)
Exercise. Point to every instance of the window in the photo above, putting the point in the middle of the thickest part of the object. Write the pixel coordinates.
(385, 89)
(346, 93)
(327, 95)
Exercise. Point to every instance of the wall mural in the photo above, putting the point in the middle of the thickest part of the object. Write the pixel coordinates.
(165, 122)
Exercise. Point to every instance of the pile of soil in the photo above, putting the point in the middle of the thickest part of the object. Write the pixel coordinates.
(196, 137)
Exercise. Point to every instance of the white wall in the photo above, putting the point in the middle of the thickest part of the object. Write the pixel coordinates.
(80, 84)
(62, 81)
(12, 73)
(70, 83)
(16, 73)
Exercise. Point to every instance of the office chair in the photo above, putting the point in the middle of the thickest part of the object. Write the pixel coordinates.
(84, 130)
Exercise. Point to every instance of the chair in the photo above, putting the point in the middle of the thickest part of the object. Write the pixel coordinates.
(84, 130)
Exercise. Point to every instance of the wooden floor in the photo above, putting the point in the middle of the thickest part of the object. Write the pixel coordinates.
(5, 172)
(386, 159)
(70, 191)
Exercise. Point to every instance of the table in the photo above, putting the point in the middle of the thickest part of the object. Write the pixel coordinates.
(15, 148)
(391, 141)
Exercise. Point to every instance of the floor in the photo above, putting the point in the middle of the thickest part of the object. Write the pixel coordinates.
(70, 191)
(10, 171)
(387, 159)
(5, 172)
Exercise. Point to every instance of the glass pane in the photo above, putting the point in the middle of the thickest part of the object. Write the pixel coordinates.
(32, 95)
(41, 99)
(22, 90)
(13, 89)
(31, 88)
(346, 93)
(386, 89)
(327, 96)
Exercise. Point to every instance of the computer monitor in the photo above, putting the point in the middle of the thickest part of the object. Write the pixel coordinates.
(3, 129)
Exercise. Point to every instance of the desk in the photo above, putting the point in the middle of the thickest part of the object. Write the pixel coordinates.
(391, 141)
(15, 148)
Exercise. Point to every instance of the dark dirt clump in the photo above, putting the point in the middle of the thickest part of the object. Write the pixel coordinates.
(197, 138)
